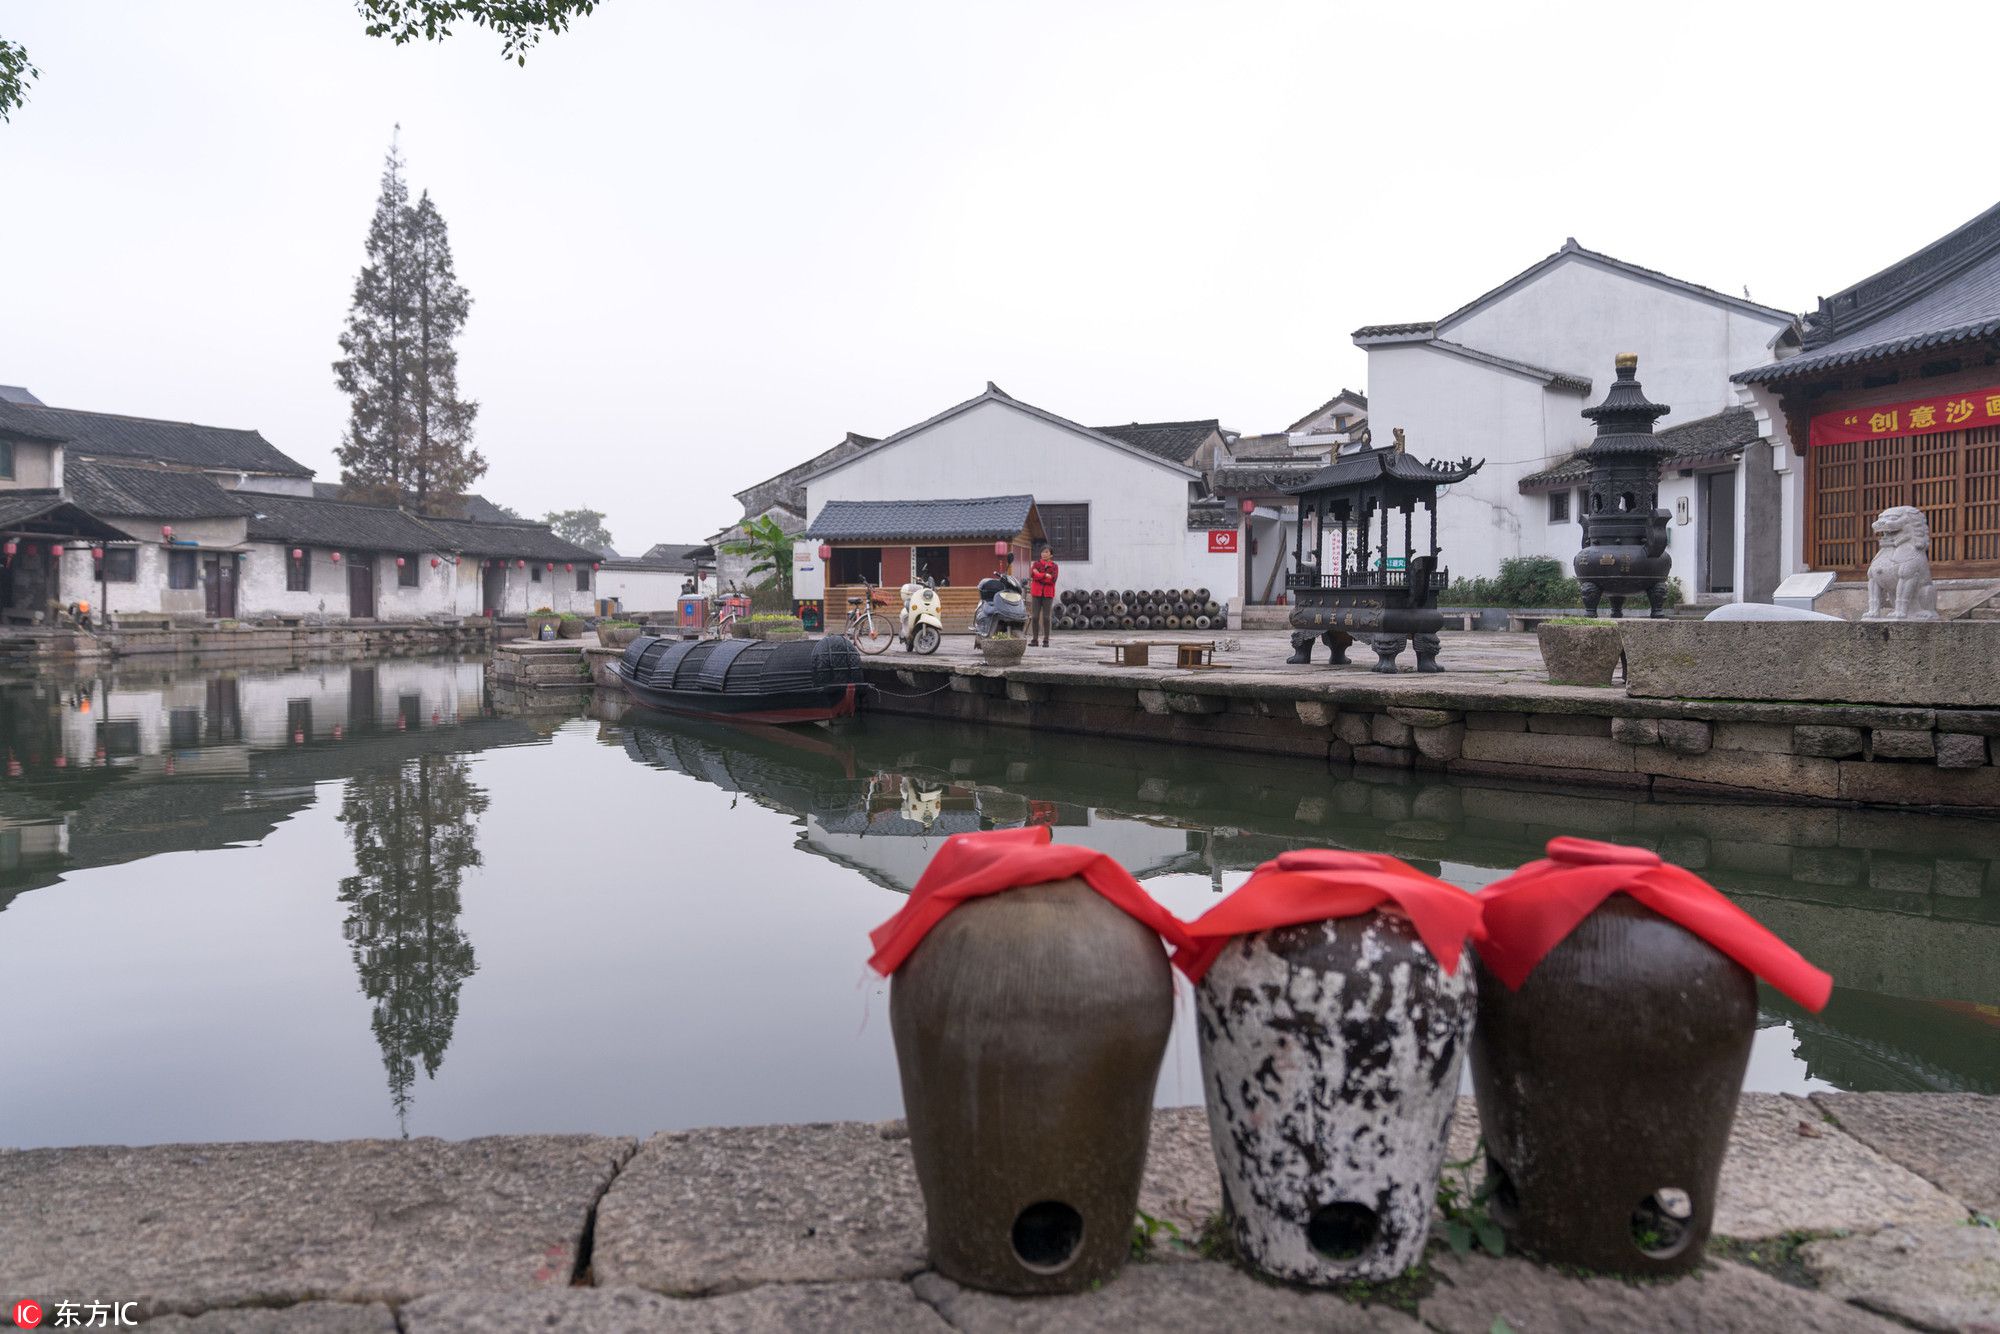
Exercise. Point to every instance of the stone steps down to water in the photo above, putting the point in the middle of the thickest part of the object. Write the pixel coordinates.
(1836, 1211)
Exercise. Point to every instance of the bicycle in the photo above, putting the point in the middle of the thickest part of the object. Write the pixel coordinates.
(723, 625)
(869, 634)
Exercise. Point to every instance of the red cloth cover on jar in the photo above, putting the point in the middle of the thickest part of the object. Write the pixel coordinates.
(970, 866)
(1530, 912)
(1311, 886)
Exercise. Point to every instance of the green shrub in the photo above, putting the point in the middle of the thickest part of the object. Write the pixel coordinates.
(569, 616)
(618, 625)
(774, 618)
(1523, 581)
(543, 611)
(776, 598)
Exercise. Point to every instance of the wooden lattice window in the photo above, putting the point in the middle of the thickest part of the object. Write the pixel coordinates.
(1952, 476)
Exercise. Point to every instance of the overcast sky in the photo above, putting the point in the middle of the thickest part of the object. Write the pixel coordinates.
(706, 238)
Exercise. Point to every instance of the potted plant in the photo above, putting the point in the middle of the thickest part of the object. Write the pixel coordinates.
(1580, 650)
(540, 617)
(617, 634)
(570, 625)
(1002, 648)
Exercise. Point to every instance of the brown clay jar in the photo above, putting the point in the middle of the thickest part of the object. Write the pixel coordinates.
(1606, 1089)
(1029, 1029)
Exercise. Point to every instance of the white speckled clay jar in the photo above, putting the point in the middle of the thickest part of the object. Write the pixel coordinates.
(1330, 1055)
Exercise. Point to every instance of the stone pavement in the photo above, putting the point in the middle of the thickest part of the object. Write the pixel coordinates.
(1839, 1212)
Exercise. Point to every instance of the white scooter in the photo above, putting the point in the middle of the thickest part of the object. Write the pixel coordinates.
(922, 626)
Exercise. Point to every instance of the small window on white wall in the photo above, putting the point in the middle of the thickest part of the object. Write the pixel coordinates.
(1558, 507)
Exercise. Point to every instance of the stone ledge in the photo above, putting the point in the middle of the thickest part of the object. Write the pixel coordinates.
(189, 1227)
(717, 1210)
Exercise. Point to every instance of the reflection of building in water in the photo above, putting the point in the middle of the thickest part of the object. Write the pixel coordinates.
(413, 825)
(1903, 910)
(129, 765)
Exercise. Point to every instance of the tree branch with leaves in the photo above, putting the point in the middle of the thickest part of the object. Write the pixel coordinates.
(519, 23)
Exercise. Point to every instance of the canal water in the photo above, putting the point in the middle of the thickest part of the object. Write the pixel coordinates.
(362, 900)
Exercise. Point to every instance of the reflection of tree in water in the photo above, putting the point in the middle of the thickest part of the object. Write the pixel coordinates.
(413, 828)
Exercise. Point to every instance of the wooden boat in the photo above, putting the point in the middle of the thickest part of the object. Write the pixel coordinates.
(754, 680)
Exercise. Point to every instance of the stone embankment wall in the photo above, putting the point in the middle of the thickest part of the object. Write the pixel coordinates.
(366, 640)
(1862, 754)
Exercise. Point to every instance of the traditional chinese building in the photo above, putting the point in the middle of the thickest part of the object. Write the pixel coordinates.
(1894, 399)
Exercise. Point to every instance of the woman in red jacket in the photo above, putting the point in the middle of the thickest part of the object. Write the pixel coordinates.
(1041, 595)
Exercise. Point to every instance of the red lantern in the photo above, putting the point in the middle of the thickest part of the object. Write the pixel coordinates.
(1002, 548)
(97, 553)
(520, 565)
(399, 562)
(298, 554)
(551, 565)
(568, 568)
(11, 547)
(597, 565)
(56, 550)
(167, 531)
(336, 558)
(434, 562)
(826, 551)
(1249, 507)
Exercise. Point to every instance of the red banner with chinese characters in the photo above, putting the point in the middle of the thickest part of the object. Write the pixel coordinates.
(1921, 416)
(1222, 539)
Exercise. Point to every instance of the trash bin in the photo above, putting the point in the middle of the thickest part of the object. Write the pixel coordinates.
(1030, 1002)
(1617, 1004)
(694, 612)
(1333, 999)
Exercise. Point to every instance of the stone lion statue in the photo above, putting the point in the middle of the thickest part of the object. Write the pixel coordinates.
(1899, 578)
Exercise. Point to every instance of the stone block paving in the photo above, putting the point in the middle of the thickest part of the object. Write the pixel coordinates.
(189, 1227)
(1858, 1222)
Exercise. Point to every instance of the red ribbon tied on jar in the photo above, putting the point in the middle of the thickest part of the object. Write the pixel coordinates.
(971, 866)
(1311, 886)
(1531, 911)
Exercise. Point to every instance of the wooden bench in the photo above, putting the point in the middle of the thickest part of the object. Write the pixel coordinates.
(1189, 654)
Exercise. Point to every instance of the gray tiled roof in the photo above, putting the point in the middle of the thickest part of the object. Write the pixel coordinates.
(1210, 514)
(1359, 400)
(1961, 307)
(1368, 464)
(22, 420)
(680, 556)
(14, 393)
(109, 489)
(1267, 477)
(184, 443)
(1702, 440)
(336, 523)
(530, 541)
(45, 503)
(475, 507)
(1395, 330)
(983, 516)
(1173, 441)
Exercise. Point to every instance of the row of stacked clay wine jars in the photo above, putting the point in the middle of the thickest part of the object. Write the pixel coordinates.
(1140, 609)
(1336, 995)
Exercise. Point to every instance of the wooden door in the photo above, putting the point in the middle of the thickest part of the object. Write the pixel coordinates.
(361, 589)
(218, 582)
(493, 581)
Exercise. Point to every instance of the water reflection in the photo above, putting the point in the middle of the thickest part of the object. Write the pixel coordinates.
(293, 886)
(1903, 909)
(413, 826)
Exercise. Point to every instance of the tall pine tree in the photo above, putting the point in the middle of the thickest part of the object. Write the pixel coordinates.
(409, 431)
(443, 465)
